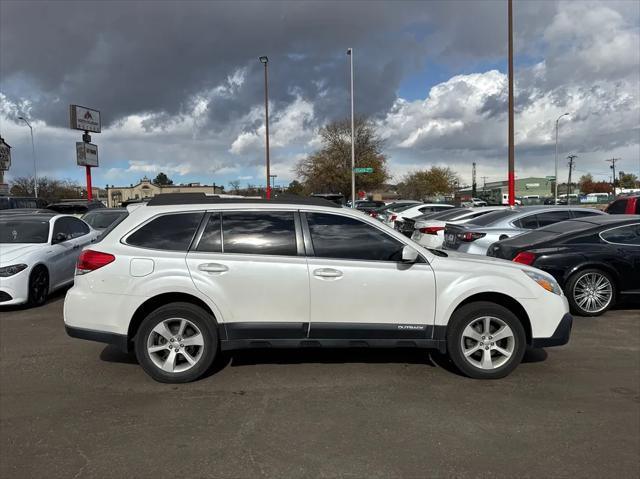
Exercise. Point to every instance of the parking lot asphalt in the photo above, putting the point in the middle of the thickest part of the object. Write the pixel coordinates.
(76, 409)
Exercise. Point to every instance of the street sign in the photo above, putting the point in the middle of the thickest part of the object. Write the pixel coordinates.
(86, 154)
(85, 119)
(5, 156)
(363, 170)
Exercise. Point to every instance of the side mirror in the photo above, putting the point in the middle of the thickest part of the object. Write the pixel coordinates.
(409, 255)
(59, 238)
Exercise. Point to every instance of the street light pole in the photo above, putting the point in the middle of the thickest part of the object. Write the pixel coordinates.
(555, 195)
(264, 60)
(33, 154)
(353, 147)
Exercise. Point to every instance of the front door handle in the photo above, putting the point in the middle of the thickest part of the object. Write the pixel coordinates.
(213, 268)
(327, 273)
(77, 246)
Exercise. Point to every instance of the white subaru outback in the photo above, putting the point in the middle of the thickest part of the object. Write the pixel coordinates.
(188, 276)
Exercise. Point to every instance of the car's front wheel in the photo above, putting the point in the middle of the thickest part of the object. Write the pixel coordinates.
(177, 343)
(485, 340)
(38, 286)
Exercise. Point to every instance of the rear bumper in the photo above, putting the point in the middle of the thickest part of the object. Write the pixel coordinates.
(119, 340)
(559, 337)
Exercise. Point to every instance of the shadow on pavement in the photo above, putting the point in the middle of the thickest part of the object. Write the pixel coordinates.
(55, 296)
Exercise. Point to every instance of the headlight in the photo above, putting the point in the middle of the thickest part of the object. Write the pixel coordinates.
(7, 271)
(547, 282)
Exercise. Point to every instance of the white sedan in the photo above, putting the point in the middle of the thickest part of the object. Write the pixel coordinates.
(430, 232)
(38, 255)
(413, 211)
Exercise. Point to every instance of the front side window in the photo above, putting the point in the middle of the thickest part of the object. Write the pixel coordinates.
(258, 232)
(341, 237)
(77, 228)
(528, 222)
(62, 225)
(618, 207)
(172, 232)
(628, 235)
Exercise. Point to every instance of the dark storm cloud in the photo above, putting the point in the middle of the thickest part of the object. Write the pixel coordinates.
(152, 57)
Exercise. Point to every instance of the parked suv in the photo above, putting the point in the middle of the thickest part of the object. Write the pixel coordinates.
(180, 280)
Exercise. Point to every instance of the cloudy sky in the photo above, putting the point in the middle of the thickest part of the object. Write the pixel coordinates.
(180, 86)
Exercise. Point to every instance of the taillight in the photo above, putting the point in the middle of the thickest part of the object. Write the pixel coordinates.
(431, 230)
(373, 214)
(525, 257)
(393, 217)
(470, 236)
(91, 260)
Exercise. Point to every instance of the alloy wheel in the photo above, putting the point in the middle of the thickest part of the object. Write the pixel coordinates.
(175, 345)
(593, 292)
(39, 286)
(487, 342)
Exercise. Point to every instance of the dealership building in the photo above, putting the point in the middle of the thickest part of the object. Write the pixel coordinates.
(145, 189)
(532, 186)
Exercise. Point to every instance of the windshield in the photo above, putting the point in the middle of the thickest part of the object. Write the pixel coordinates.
(103, 219)
(23, 230)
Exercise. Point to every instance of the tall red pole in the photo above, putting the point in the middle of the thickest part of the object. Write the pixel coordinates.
(512, 176)
(89, 189)
(266, 122)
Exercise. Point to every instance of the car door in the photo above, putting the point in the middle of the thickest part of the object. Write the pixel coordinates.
(63, 252)
(251, 264)
(359, 288)
(80, 237)
(626, 242)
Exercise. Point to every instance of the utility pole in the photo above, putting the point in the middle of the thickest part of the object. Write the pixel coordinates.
(474, 192)
(511, 177)
(570, 158)
(613, 167)
(353, 146)
(484, 183)
(264, 60)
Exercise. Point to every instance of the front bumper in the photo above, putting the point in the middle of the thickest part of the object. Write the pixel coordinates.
(16, 287)
(559, 337)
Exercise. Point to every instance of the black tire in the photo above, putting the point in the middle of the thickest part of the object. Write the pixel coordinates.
(570, 291)
(199, 318)
(468, 315)
(38, 286)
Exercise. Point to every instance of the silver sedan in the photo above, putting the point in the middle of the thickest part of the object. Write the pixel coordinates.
(476, 237)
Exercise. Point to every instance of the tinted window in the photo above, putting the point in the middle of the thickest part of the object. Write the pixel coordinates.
(625, 235)
(528, 222)
(259, 233)
(545, 219)
(618, 207)
(167, 232)
(103, 219)
(62, 225)
(336, 236)
(490, 218)
(211, 240)
(449, 214)
(77, 227)
(638, 206)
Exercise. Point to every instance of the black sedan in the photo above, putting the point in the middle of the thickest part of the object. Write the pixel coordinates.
(595, 259)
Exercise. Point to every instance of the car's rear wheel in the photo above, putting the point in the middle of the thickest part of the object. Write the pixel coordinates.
(591, 292)
(485, 340)
(177, 343)
(38, 286)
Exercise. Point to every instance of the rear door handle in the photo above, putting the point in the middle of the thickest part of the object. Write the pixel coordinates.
(213, 268)
(77, 246)
(327, 273)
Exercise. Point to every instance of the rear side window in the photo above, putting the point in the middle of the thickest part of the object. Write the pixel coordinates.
(545, 219)
(335, 236)
(628, 235)
(172, 232)
(211, 240)
(528, 222)
(259, 233)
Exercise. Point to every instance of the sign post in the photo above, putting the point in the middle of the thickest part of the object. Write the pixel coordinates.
(87, 120)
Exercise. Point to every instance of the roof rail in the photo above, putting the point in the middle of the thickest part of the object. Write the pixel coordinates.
(167, 199)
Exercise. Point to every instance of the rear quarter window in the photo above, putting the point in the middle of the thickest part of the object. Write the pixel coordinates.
(169, 232)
